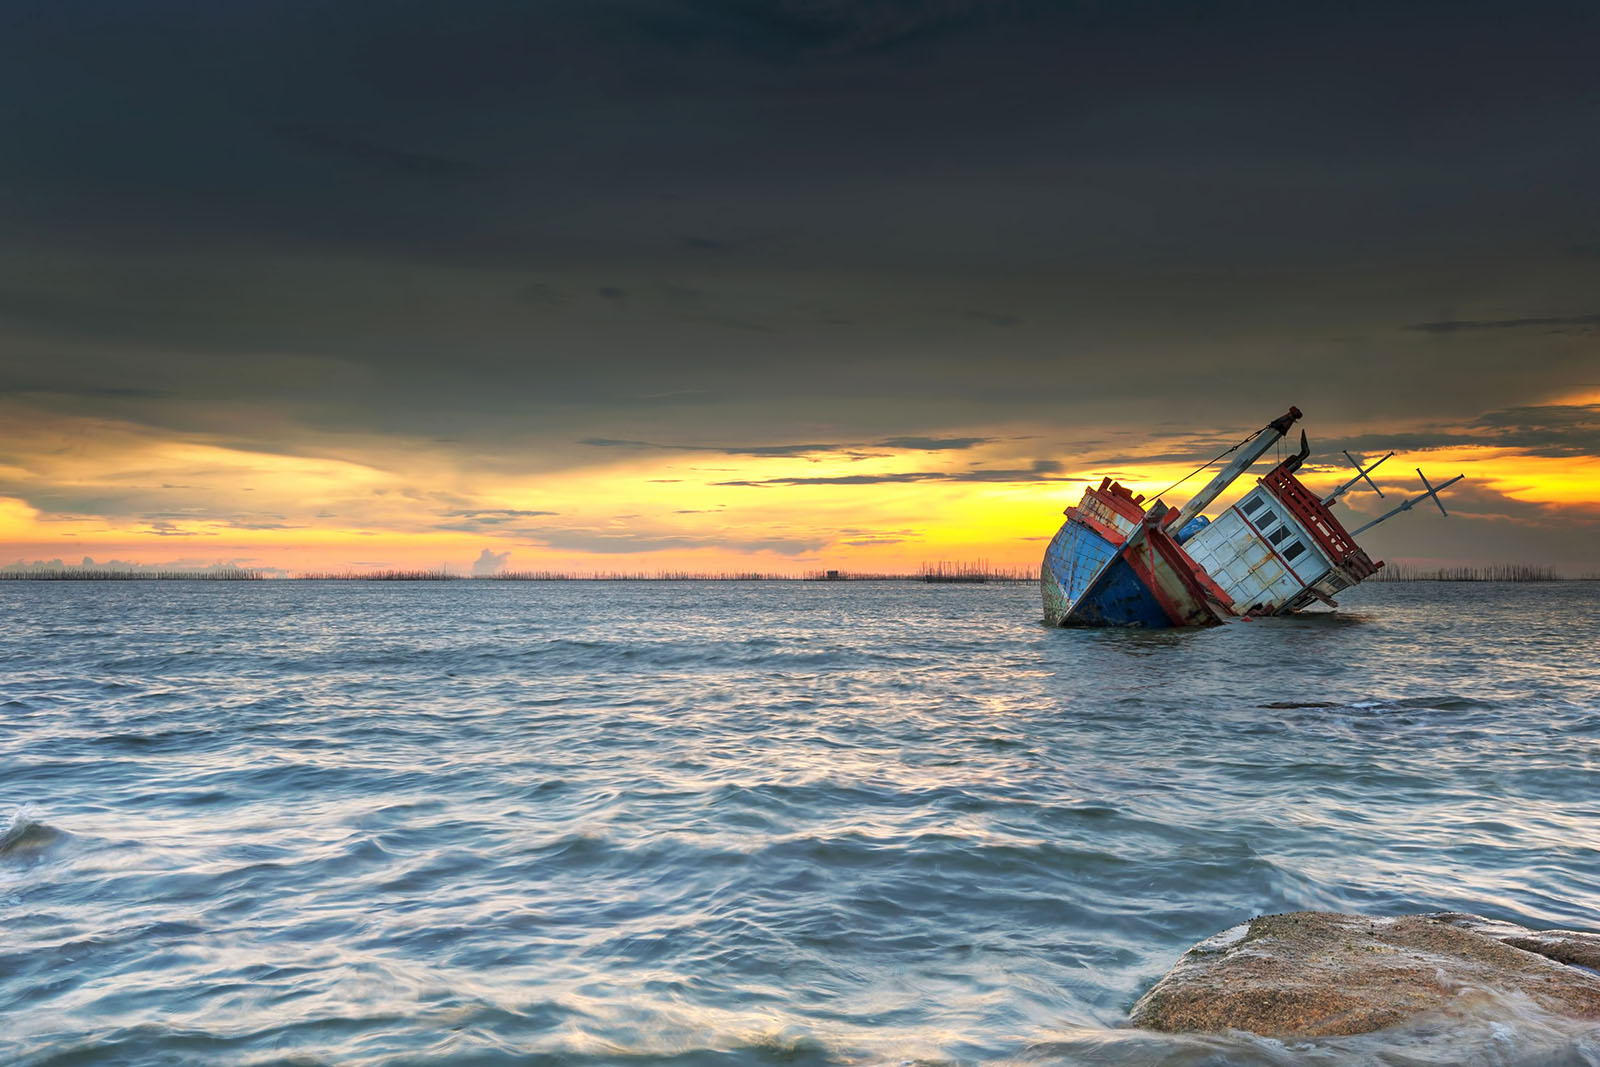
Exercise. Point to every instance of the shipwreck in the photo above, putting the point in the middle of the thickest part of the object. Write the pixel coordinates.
(1117, 561)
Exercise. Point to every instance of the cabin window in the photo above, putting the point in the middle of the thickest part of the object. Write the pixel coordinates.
(1293, 550)
(1277, 536)
(1251, 506)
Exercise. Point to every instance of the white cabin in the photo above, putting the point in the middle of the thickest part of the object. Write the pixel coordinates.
(1268, 555)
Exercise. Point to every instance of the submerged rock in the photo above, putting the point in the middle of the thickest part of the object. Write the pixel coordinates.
(1318, 974)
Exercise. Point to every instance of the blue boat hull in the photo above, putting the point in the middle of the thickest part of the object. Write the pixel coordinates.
(1075, 555)
(1112, 564)
(1119, 597)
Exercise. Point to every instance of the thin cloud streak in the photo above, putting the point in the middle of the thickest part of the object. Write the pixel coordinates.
(1043, 470)
(1462, 325)
(905, 444)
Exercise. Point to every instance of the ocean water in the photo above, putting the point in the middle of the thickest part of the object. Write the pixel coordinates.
(765, 823)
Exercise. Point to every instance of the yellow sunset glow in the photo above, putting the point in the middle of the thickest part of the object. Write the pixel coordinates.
(115, 491)
(1563, 481)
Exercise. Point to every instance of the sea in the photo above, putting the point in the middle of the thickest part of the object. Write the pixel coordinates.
(788, 824)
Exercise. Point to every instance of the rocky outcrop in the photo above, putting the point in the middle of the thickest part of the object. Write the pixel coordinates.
(1563, 946)
(1316, 974)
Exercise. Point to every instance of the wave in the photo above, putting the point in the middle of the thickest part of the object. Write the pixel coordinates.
(25, 837)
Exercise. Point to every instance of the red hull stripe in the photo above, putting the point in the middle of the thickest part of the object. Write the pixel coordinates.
(1138, 559)
(1116, 497)
(1174, 580)
(1199, 584)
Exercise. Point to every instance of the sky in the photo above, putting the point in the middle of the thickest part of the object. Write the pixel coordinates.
(609, 286)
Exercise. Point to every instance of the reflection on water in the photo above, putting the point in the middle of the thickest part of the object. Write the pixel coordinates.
(752, 823)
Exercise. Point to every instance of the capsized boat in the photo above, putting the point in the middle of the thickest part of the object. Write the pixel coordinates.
(1119, 562)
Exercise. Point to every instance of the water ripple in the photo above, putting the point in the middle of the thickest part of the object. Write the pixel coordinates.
(751, 824)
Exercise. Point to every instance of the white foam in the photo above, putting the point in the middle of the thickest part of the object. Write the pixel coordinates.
(1223, 941)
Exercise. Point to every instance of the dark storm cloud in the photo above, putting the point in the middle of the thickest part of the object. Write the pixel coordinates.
(613, 543)
(1458, 325)
(263, 525)
(1544, 417)
(498, 521)
(1547, 430)
(1175, 447)
(992, 318)
(1556, 430)
(1540, 430)
(496, 514)
(185, 505)
(910, 444)
(490, 529)
(1042, 470)
(561, 110)
(353, 151)
(726, 450)
(934, 444)
(843, 479)
(842, 26)
(106, 392)
(130, 502)
(502, 223)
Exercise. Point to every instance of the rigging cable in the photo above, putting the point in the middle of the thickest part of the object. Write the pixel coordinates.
(1208, 463)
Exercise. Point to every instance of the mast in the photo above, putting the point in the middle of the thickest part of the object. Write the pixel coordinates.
(1433, 492)
(1255, 447)
(1361, 475)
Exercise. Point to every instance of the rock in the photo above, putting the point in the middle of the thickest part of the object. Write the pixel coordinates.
(1564, 946)
(1317, 974)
